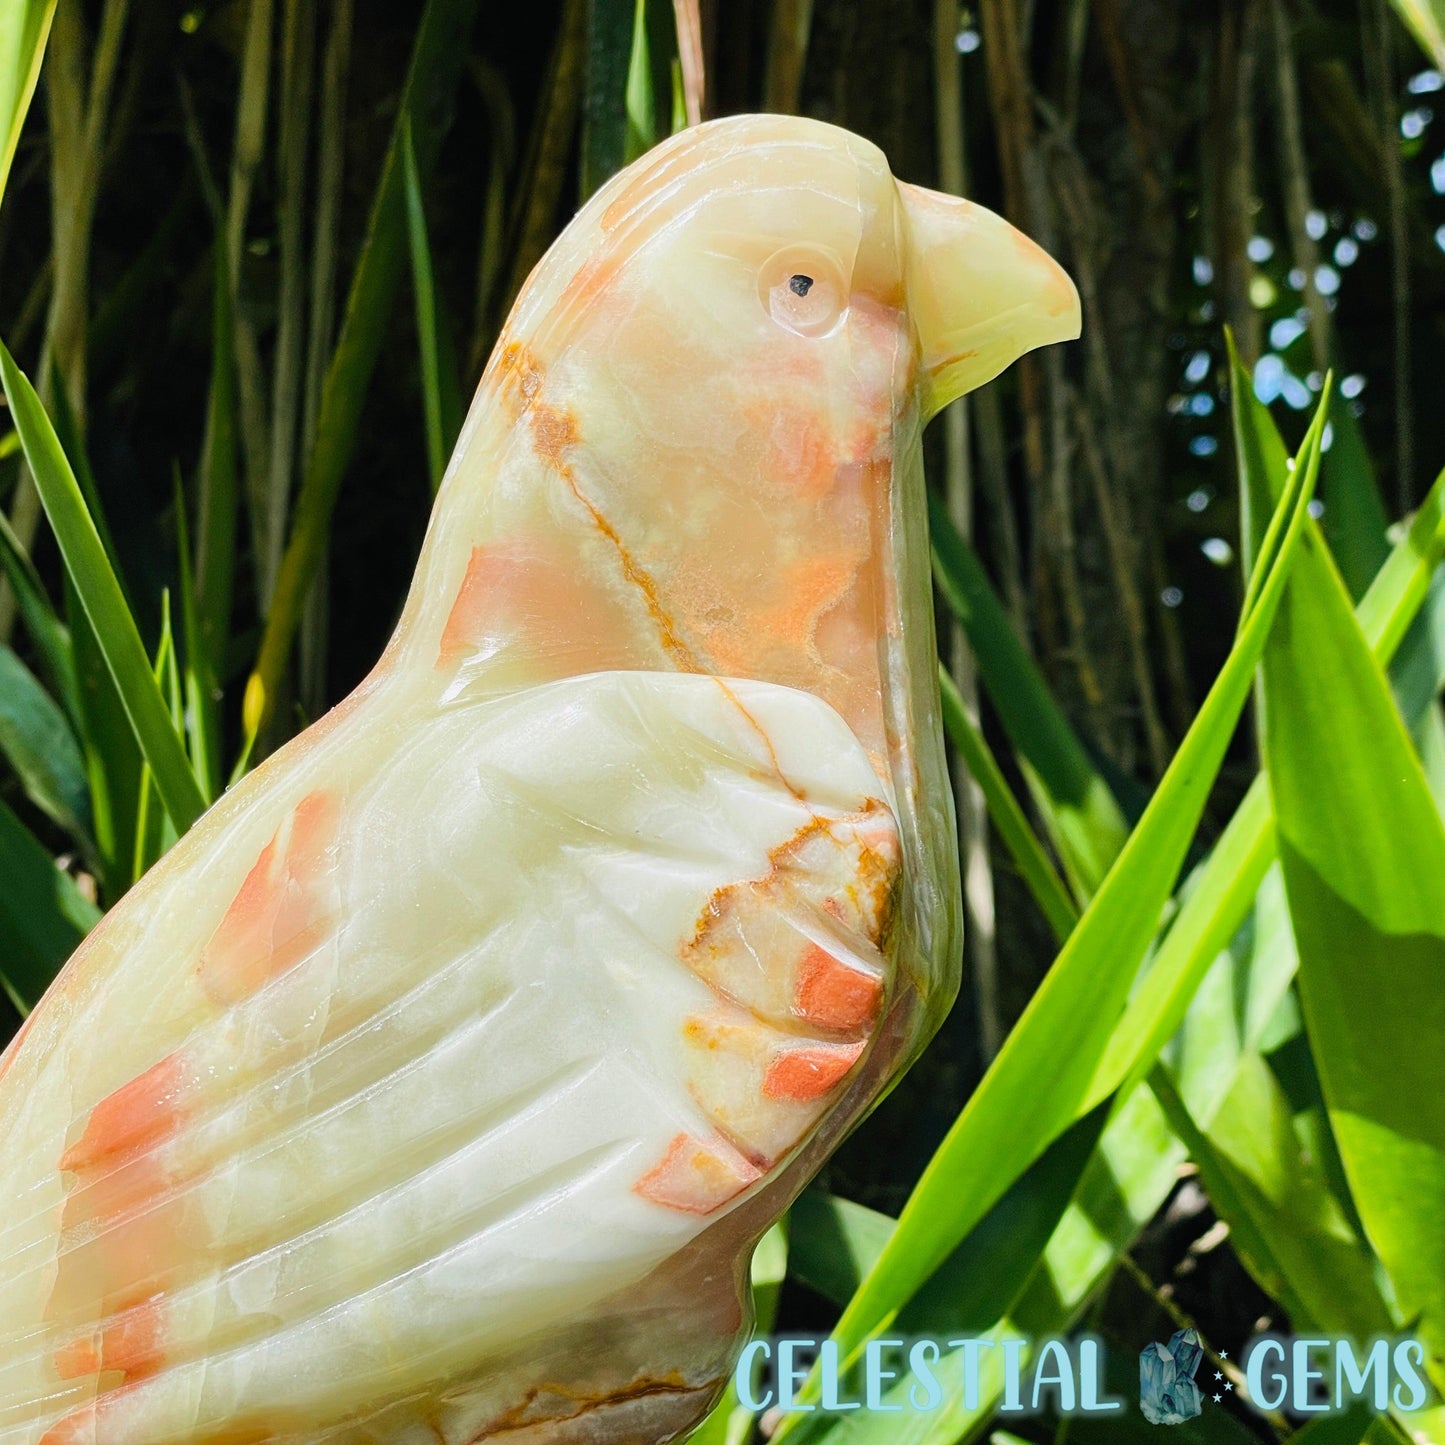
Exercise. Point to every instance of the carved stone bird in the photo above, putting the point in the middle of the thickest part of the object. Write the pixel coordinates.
(437, 1085)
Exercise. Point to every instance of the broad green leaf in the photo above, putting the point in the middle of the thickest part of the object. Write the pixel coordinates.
(1008, 817)
(835, 1243)
(24, 26)
(1363, 849)
(1084, 821)
(1284, 1222)
(43, 915)
(37, 740)
(50, 636)
(436, 66)
(1131, 1173)
(440, 393)
(1220, 1020)
(1362, 846)
(1037, 1085)
(1218, 1425)
(1220, 896)
(101, 596)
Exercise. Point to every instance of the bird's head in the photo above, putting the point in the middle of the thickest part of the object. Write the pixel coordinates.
(697, 444)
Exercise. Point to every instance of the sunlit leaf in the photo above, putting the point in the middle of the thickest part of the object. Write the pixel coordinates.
(24, 26)
(100, 594)
(1037, 1085)
(1363, 849)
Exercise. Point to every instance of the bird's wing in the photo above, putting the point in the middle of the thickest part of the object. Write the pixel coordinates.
(512, 1002)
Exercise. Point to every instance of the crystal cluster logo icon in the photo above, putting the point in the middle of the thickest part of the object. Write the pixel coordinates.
(1167, 1392)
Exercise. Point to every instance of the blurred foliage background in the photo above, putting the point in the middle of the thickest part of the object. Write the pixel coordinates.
(254, 255)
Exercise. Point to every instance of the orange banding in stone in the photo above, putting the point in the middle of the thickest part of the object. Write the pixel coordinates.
(283, 909)
(810, 1072)
(697, 1175)
(130, 1343)
(833, 995)
(134, 1116)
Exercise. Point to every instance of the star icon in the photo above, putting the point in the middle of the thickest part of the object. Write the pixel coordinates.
(1216, 1399)
(1217, 1375)
(1224, 1354)
(1227, 1385)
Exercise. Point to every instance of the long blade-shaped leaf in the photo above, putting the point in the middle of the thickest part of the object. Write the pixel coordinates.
(1003, 808)
(49, 634)
(439, 387)
(610, 28)
(101, 596)
(1425, 20)
(43, 915)
(24, 27)
(36, 738)
(1284, 1222)
(426, 101)
(1036, 1086)
(1083, 819)
(1363, 850)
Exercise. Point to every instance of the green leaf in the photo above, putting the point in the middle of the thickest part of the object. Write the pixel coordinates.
(24, 26)
(48, 633)
(611, 34)
(1425, 20)
(441, 396)
(1363, 849)
(1218, 987)
(43, 915)
(112, 755)
(154, 834)
(426, 101)
(1083, 819)
(836, 1242)
(1358, 1425)
(1008, 817)
(100, 595)
(640, 105)
(198, 717)
(619, 116)
(1220, 896)
(72, 445)
(1284, 1222)
(1037, 1086)
(37, 739)
(1354, 522)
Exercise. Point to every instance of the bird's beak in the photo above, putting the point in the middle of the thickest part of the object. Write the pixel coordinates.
(980, 292)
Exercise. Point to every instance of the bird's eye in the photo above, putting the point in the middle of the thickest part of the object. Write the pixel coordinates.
(803, 289)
